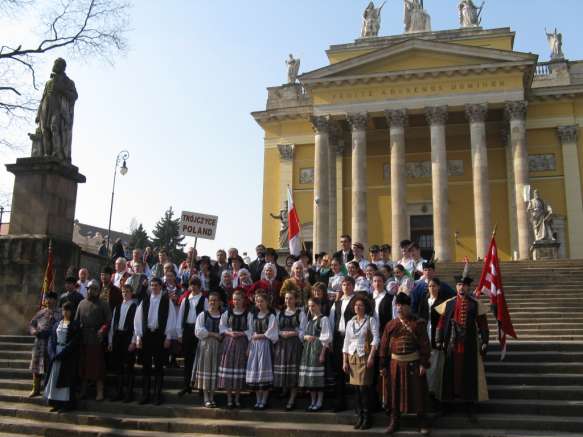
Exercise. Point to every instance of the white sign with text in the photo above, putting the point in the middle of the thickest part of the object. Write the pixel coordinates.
(194, 224)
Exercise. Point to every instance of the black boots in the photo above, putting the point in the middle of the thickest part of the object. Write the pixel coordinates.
(145, 390)
(159, 399)
(393, 424)
(129, 397)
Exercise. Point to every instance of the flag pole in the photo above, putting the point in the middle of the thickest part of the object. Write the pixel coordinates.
(494, 230)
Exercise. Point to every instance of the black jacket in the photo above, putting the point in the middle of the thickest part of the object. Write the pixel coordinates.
(423, 313)
(69, 356)
(338, 256)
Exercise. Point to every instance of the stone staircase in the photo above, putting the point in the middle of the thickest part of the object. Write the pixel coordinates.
(536, 391)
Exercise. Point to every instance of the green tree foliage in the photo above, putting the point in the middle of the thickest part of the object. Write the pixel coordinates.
(139, 238)
(167, 236)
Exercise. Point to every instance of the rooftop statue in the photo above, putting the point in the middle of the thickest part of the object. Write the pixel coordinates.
(416, 18)
(469, 13)
(371, 21)
(293, 68)
(555, 40)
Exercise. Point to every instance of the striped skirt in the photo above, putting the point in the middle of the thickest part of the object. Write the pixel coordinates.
(286, 362)
(206, 364)
(311, 370)
(38, 362)
(259, 374)
(233, 363)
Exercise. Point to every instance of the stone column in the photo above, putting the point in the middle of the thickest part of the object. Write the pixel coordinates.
(335, 139)
(516, 113)
(476, 115)
(339, 190)
(511, 193)
(286, 164)
(437, 117)
(321, 184)
(572, 177)
(358, 123)
(397, 120)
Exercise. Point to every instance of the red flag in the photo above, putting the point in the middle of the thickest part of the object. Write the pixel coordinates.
(48, 280)
(293, 232)
(491, 284)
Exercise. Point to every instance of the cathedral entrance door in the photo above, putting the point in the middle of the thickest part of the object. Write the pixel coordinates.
(422, 233)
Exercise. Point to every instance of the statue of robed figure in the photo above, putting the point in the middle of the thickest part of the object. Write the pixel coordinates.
(469, 13)
(541, 218)
(415, 17)
(371, 21)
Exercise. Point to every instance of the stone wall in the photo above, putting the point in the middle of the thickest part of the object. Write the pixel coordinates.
(23, 259)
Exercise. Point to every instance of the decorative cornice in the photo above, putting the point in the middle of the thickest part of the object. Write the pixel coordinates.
(516, 110)
(286, 152)
(436, 115)
(357, 121)
(477, 113)
(396, 118)
(320, 123)
(568, 134)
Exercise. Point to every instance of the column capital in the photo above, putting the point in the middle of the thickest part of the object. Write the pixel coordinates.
(320, 123)
(286, 152)
(357, 120)
(436, 115)
(516, 110)
(335, 131)
(476, 113)
(568, 134)
(396, 117)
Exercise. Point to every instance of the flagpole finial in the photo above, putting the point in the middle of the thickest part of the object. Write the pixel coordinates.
(494, 230)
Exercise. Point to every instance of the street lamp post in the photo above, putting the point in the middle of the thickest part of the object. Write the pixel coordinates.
(124, 155)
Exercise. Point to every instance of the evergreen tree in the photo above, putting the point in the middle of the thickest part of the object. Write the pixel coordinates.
(139, 238)
(167, 236)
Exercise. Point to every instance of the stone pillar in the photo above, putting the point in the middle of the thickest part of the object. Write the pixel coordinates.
(511, 193)
(516, 113)
(437, 117)
(339, 190)
(397, 120)
(477, 116)
(286, 167)
(335, 139)
(568, 137)
(358, 123)
(321, 184)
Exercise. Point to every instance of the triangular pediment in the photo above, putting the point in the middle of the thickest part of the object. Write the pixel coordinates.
(418, 55)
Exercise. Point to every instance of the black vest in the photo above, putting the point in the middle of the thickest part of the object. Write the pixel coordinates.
(128, 326)
(199, 308)
(348, 314)
(162, 312)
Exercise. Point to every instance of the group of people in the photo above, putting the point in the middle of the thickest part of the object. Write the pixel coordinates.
(391, 329)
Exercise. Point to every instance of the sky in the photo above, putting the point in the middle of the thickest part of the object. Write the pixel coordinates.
(179, 100)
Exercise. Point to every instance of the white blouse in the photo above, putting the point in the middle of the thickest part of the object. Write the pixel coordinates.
(356, 333)
(325, 331)
(303, 322)
(199, 328)
(224, 323)
(272, 332)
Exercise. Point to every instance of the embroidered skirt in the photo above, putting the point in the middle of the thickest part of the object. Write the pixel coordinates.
(312, 372)
(286, 362)
(206, 364)
(233, 363)
(259, 374)
(38, 362)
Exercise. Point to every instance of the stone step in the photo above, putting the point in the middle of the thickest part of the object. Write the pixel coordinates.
(539, 392)
(19, 355)
(542, 407)
(15, 346)
(535, 346)
(546, 379)
(536, 356)
(534, 367)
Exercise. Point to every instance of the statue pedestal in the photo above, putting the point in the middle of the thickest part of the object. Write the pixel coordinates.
(542, 250)
(44, 198)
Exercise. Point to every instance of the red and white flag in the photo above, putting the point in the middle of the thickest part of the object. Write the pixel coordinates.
(294, 226)
(491, 284)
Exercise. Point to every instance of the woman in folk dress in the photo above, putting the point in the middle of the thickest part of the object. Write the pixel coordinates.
(288, 350)
(259, 375)
(236, 326)
(208, 353)
(317, 339)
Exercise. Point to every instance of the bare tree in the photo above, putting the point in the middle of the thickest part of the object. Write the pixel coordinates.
(81, 28)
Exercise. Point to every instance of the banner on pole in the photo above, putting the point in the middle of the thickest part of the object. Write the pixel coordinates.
(194, 224)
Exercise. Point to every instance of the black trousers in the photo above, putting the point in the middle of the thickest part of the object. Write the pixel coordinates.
(189, 345)
(338, 360)
(153, 353)
(122, 360)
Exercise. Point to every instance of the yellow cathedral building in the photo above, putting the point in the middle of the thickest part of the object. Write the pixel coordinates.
(434, 136)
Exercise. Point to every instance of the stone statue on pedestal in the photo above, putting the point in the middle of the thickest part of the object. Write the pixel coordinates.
(284, 225)
(555, 40)
(541, 218)
(371, 21)
(416, 18)
(54, 118)
(293, 68)
(469, 13)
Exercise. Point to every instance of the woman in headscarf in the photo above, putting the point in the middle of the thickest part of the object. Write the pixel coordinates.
(270, 285)
(297, 283)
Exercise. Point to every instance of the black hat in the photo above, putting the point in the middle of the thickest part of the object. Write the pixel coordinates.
(466, 280)
(107, 270)
(402, 299)
(428, 265)
(374, 248)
